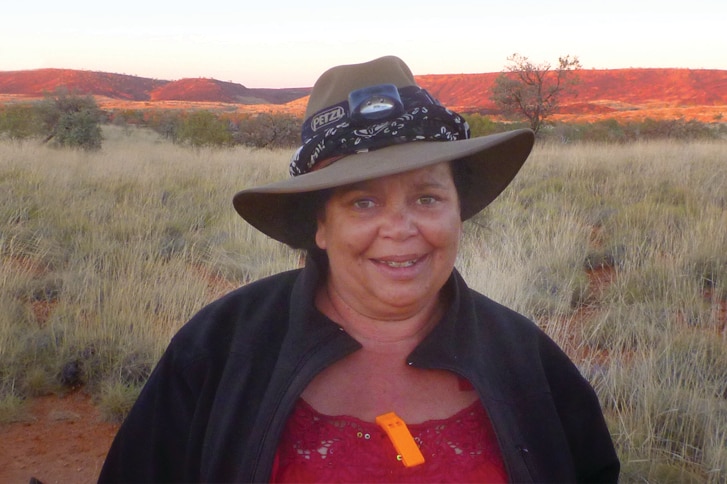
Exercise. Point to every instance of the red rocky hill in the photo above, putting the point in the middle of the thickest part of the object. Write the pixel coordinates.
(618, 93)
(600, 93)
(35, 83)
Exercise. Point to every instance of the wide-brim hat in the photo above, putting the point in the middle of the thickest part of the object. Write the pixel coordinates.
(339, 149)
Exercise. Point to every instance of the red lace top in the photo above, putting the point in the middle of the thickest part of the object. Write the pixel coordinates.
(322, 448)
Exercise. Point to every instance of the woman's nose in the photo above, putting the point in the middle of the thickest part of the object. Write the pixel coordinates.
(398, 223)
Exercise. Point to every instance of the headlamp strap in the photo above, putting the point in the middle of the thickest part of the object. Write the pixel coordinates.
(410, 96)
(332, 133)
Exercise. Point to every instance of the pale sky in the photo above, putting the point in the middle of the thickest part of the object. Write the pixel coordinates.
(285, 43)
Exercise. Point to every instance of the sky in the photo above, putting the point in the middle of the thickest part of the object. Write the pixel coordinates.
(285, 43)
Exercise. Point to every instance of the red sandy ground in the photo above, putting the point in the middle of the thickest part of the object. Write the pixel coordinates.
(62, 440)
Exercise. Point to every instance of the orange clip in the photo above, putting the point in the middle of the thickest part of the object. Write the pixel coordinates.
(402, 439)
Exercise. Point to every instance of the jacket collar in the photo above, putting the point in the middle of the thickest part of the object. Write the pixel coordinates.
(466, 341)
(469, 342)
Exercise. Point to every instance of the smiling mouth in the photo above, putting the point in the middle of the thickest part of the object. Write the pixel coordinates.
(398, 264)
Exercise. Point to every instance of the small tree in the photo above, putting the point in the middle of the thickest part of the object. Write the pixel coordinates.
(168, 123)
(266, 130)
(533, 91)
(72, 120)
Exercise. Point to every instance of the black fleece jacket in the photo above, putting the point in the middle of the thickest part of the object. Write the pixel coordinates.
(215, 406)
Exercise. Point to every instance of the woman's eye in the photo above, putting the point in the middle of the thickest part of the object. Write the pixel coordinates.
(427, 200)
(363, 203)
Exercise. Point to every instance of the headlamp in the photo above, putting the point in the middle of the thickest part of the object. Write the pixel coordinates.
(362, 123)
(374, 103)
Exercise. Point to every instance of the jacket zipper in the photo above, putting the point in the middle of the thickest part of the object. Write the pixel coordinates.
(298, 382)
(521, 450)
(525, 456)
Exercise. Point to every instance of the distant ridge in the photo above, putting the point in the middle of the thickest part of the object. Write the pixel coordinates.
(597, 88)
(35, 83)
(212, 90)
(620, 93)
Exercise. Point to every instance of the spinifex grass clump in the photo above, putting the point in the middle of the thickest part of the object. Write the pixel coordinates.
(504, 247)
(104, 255)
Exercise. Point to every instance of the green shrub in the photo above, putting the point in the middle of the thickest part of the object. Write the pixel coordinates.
(71, 120)
(613, 131)
(212, 129)
(167, 123)
(79, 130)
(204, 128)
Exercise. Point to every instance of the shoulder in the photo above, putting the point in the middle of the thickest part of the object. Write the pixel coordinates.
(251, 298)
(240, 317)
(503, 320)
(519, 341)
(471, 304)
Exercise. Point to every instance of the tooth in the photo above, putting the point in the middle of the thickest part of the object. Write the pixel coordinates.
(408, 263)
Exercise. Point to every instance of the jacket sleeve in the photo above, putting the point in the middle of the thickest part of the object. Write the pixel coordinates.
(582, 419)
(158, 441)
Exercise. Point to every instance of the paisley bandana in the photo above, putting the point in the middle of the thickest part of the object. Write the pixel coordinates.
(330, 133)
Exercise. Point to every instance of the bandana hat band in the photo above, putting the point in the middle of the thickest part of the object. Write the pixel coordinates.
(331, 133)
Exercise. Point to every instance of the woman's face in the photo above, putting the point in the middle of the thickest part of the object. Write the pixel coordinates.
(392, 242)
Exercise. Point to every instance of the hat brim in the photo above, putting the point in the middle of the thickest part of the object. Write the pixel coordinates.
(277, 209)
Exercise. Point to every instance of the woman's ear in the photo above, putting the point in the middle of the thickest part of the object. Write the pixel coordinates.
(321, 231)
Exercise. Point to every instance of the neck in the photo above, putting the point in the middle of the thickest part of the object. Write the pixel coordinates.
(393, 334)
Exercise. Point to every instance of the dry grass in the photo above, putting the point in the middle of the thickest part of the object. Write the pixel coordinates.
(104, 255)
(653, 342)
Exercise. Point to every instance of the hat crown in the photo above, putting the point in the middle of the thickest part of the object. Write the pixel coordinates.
(336, 126)
(336, 83)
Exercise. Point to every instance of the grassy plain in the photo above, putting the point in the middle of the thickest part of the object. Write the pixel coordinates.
(618, 251)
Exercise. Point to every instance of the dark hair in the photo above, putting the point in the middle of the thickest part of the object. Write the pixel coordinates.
(316, 209)
(310, 206)
(462, 176)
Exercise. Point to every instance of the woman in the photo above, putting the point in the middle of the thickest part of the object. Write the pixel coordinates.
(375, 362)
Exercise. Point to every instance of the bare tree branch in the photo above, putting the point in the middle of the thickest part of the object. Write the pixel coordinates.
(533, 91)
